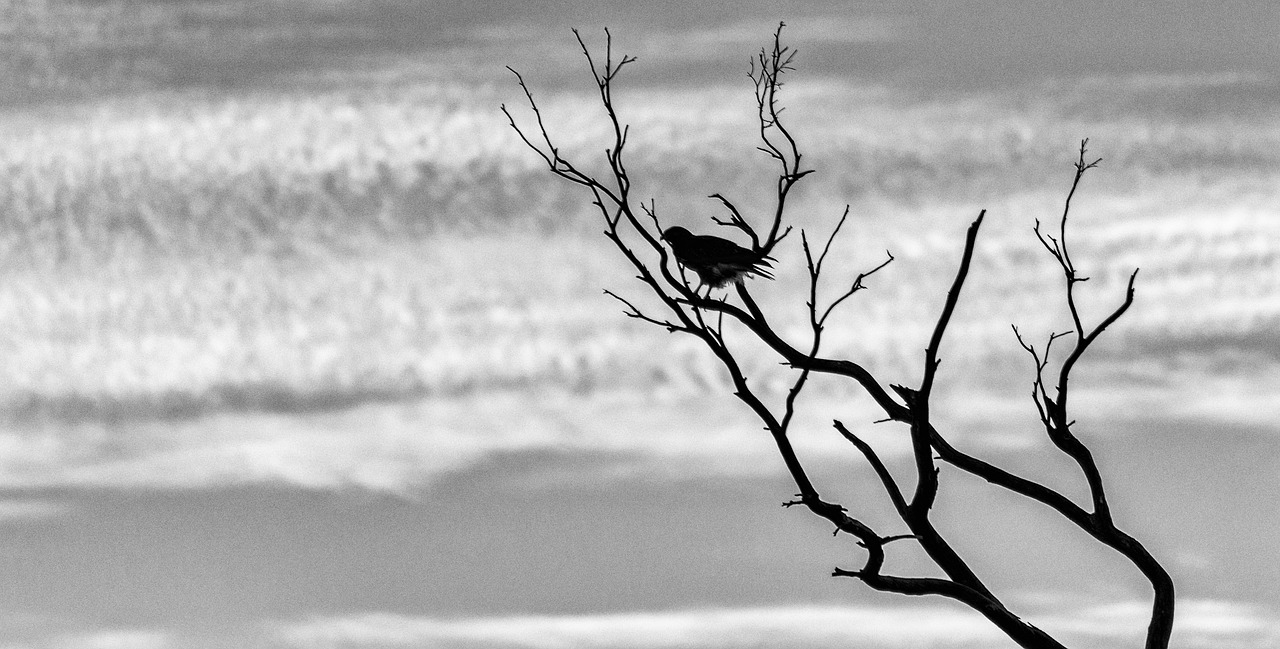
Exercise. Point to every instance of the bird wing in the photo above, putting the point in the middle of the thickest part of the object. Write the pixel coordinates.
(724, 251)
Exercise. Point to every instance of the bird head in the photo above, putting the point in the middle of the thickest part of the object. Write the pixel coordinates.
(676, 233)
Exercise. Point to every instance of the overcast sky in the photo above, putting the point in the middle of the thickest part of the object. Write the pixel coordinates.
(555, 475)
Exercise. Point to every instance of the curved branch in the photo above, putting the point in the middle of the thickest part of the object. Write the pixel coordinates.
(704, 318)
(886, 478)
(953, 296)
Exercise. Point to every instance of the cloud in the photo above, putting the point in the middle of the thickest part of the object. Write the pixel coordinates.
(113, 639)
(1198, 623)
(1207, 299)
(741, 37)
(24, 510)
(553, 438)
(820, 29)
(788, 626)
(1201, 623)
(399, 448)
(746, 37)
(1172, 81)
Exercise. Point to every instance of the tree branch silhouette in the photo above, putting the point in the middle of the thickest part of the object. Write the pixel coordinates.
(686, 311)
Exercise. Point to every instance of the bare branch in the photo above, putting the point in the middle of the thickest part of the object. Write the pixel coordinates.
(834, 232)
(901, 537)
(855, 287)
(736, 220)
(953, 296)
(632, 312)
(1023, 633)
(773, 63)
(886, 478)
(918, 400)
(712, 320)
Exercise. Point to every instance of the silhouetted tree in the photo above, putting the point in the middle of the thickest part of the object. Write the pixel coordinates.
(634, 228)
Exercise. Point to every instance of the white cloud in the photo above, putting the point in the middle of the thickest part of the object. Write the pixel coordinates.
(1197, 623)
(747, 37)
(1201, 623)
(1178, 81)
(20, 510)
(388, 447)
(1199, 230)
(790, 626)
(827, 29)
(741, 37)
(404, 448)
(113, 639)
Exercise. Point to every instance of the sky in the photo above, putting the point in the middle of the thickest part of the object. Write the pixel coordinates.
(305, 349)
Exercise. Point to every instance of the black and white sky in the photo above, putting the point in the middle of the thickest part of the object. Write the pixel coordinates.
(303, 348)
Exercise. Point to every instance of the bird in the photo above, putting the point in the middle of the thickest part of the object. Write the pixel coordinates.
(718, 262)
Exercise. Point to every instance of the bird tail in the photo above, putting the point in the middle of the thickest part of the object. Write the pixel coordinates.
(762, 268)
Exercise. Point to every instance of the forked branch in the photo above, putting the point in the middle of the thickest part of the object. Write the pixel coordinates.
(709, 318)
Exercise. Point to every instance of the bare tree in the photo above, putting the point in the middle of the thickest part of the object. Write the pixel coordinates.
(634, 228)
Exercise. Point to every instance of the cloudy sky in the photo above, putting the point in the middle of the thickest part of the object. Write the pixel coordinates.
(305, 350)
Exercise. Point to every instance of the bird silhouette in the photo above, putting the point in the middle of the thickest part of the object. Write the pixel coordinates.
(718, 262)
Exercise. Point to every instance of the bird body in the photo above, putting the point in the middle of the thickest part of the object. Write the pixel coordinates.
(717, 262)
